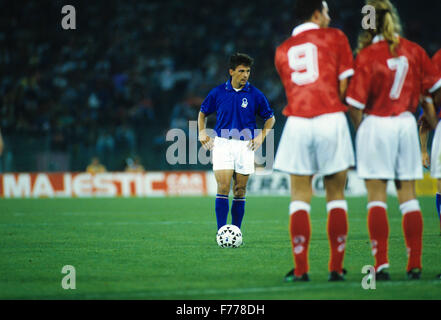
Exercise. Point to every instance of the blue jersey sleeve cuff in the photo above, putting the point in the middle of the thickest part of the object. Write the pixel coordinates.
(269, 117)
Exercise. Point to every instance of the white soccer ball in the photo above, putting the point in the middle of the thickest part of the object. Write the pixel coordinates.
(229, 236)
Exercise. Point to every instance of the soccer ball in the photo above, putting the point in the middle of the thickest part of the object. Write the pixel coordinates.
(229, 236)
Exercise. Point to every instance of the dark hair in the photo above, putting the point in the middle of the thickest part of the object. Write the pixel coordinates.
(304, 9)
(238, 59)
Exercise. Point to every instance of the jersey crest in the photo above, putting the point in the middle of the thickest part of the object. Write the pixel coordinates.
(244, 103)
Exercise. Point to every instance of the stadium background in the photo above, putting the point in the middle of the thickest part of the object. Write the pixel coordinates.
(133, 70)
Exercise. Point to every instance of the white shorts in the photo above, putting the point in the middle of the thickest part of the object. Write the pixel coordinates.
(315, 145)
(435, 158)
(388, 148)
(232, 154)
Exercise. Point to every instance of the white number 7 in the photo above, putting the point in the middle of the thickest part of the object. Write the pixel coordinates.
(401, 66)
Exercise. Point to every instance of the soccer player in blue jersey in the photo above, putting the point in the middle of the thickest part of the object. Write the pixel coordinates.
(236, 104)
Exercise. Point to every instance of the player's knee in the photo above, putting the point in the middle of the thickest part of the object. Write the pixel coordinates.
(335, 184)
(223, 188)
(304, 195)
(405, 190)
(335, 194)
(239, 191)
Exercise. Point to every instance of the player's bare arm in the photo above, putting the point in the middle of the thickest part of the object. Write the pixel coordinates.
(356, 116)
(206, 140)
(343, 86)
(425, 126)
(424, 134)
(430, 116)
(424, 129)
(260, 138)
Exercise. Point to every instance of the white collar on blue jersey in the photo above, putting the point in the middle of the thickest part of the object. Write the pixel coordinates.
(304, 27)
(229, 86)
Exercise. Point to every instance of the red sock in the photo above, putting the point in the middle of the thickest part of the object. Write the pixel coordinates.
(378, 227)
(300, 231)
(337, 232)
(413, 235)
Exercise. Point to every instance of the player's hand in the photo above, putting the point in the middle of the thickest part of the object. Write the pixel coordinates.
(207, 141)
(426, 159)
(255, 143)
(423, 123)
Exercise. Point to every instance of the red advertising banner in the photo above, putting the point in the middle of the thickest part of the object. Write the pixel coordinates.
(114, 184)
(165, 183)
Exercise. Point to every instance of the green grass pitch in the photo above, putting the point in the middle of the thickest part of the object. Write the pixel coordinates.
(164, 248)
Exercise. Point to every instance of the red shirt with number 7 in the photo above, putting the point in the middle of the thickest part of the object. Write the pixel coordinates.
(310, 65)
(387, 85)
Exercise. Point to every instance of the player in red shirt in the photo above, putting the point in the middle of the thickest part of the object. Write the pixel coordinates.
(314, 65)
(434, 162)
(391, 73)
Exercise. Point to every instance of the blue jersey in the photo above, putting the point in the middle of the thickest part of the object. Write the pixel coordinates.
(236, 110)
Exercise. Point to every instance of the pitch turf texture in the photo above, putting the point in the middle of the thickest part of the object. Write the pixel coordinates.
(165, 248)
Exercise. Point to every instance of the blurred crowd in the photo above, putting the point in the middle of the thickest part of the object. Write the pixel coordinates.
(134, 69)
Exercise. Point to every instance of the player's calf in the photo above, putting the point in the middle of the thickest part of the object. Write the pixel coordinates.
(378, 227)
(300, 232)
(413, 233)
(337, 228)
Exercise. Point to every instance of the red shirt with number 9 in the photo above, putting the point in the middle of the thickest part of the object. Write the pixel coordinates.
(310, 65)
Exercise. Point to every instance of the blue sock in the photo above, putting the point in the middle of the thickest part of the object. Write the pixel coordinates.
(237, 211)
(438, 204)
(221, 208)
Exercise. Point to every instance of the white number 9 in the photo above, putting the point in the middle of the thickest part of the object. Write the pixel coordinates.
(303, 60)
